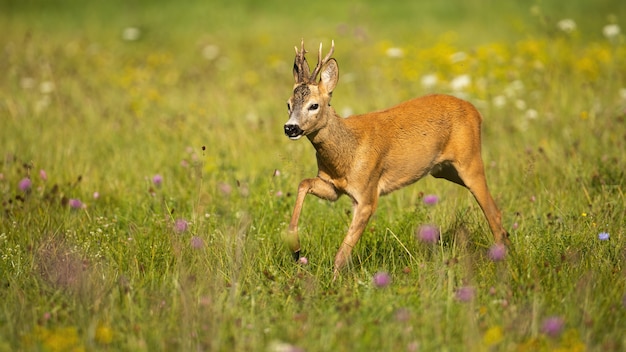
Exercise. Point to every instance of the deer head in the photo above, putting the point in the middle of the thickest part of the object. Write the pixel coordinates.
(310, 99)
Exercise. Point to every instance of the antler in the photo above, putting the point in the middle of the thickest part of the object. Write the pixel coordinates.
(321, 62)
(301, 67)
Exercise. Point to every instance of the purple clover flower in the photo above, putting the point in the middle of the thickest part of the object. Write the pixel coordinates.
(428, 234)
(497, 252)
(553, 326)
(381, 279)
(157, 180)
(465, 293)
(43, 175)
(181, 225)
(603, 236)
(197, 242)
(75, 203)
(25, 184)
(431, 199)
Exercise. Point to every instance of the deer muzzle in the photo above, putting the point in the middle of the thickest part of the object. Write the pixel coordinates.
(293, 131)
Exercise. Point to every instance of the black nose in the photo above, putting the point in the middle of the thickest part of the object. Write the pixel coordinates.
(292, 131)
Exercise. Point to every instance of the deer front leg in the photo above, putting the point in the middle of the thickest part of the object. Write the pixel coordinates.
(317, 187)
(362, 213)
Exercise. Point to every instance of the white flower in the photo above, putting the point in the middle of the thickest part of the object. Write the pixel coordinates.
(130, 34)
(499, 101)
(429, 81)
(531, 114)
(611, 31)
(458, 57)
(395, 53)
(567, 25)
(211, 52)
(460, 82)
(46, 87)
(520, 104)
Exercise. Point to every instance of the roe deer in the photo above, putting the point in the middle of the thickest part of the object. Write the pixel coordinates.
(370, 155)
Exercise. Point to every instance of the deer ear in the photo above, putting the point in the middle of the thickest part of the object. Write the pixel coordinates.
(329, 76)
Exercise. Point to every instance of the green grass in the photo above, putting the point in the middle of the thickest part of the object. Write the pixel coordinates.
(101, 114)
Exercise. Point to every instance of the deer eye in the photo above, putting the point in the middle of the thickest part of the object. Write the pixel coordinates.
(313, 107)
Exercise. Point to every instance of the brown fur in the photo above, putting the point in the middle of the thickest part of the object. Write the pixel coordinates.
(370, 155)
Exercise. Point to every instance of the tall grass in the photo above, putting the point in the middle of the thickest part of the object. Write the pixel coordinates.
(146, 184)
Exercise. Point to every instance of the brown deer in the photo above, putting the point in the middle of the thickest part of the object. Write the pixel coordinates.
(370, 155)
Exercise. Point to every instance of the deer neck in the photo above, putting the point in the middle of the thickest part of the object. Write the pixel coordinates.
(335, 144)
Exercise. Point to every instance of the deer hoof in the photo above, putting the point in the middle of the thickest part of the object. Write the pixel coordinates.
(296, 255)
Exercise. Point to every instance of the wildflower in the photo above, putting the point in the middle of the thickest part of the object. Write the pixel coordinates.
(499, 101)
(381, 279)
(96, 195)
(279, 194)
(515, 225)
(458, 57)
(157, 180)
(131, 34)
(75, 203)
(197, 242)
(280, 346)
(493, 336)
(603, 236)
(431, 199)
(497, 252)
(104, 334)
(553, 326)
(211, 52)
(225, 188)
(567, 25)
(611, 31)
(43, 175)
(465, 294)
(395, 53)
(460, 82)
(429, 80)
(181, 225)
(303, 261)
(25, 184)
(531, 114)
(276, 173)
(428, 234)
(46, 87)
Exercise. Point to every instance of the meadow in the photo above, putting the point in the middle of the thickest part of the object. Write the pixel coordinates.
(146, 182)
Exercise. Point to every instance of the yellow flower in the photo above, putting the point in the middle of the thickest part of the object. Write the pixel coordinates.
(60, 339)
(493, 336)
(104, 334)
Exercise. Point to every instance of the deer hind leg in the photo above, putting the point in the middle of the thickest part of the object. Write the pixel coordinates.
(317, 187)
(472, 176)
